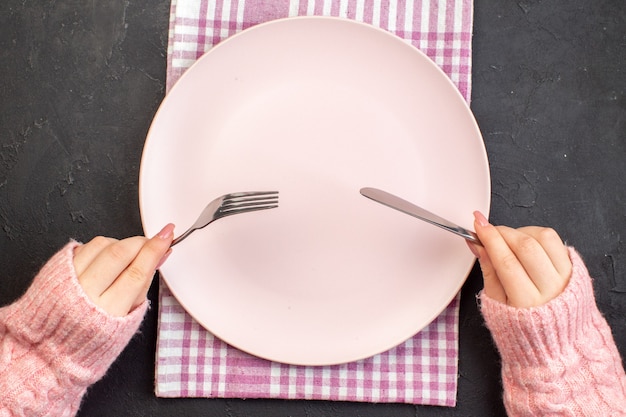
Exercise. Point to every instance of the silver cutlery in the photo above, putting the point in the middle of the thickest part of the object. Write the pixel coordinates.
(230, 204)
(411, 209)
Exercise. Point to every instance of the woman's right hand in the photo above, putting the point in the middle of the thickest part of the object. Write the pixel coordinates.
(525, 267)
(116, 274)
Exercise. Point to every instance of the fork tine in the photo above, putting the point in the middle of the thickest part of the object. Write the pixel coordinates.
(245, 209)
(229, 207)
(249, 194)
(249, 200)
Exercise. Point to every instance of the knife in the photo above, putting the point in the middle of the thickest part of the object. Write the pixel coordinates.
(411, 209)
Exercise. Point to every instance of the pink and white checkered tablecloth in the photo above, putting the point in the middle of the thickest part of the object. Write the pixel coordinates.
(190, 361)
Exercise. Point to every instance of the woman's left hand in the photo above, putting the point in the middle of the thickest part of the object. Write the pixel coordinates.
(525, 267)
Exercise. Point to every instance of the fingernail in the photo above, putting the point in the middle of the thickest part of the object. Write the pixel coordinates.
(167, 232)
(164, 258)
(480, 218)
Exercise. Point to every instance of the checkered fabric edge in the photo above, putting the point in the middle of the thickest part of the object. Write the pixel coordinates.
(191, 362)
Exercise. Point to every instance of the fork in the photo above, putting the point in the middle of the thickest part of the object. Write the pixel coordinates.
(229, 204)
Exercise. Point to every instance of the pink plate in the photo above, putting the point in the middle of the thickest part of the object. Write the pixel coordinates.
(316, 108)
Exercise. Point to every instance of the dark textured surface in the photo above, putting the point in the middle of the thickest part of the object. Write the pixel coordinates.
(80, 82)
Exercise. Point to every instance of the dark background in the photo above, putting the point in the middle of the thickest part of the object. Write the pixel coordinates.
(81, 80)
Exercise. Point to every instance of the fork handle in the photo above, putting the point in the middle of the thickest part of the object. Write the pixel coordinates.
(181, 237)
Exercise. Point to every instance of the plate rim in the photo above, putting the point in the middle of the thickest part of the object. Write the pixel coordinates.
(381, 31)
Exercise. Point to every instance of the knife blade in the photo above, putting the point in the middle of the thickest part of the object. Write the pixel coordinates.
(411, 209)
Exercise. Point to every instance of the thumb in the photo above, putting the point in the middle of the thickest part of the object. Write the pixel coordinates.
(493, 287)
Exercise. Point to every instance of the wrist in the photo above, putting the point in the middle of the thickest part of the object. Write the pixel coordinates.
(541, 333)
(77, 338)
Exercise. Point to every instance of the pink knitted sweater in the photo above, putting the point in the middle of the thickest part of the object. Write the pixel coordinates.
(54, 343)
(559, 359)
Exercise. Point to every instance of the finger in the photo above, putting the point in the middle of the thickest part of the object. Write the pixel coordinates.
(493, 286)
(132, 285)
(518, 287)
(533, 259)
(552, 275)
(107, 265)
(142, 296)
(86, 253)
(553, 245)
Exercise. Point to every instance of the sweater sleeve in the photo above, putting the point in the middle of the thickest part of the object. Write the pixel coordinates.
(558, 359)
(54, 342)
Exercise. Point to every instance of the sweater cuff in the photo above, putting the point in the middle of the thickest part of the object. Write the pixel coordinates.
(541, 334)
(77, 338)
